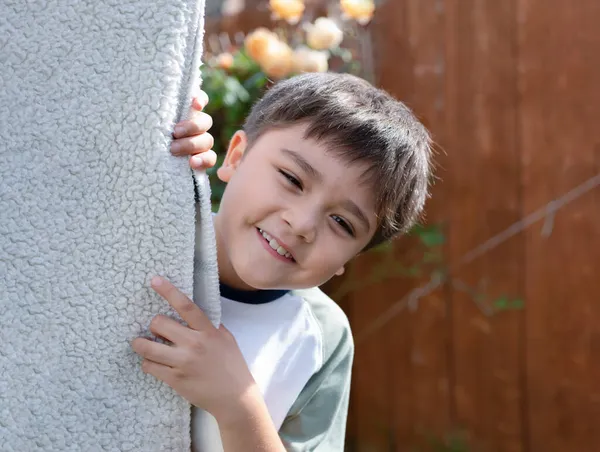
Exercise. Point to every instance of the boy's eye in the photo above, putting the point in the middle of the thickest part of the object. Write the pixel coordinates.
(344, 224)
(292, 180)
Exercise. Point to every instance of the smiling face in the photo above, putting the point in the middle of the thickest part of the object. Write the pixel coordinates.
(292, 214)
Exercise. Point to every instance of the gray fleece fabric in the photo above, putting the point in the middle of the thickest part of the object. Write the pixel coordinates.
(92, 205)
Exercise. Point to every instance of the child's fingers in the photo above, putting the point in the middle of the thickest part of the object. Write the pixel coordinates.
(204, 160)
(199, 124)
(155, 351)
(170, 329)
(200, 101)
(193, 145)
(189, 312)
(160, 371)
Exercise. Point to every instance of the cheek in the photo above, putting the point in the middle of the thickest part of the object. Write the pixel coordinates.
(245, 187)
(255, 194)
(266, 191)
(331, 252)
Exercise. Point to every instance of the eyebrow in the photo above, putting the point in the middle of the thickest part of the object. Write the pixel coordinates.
(353, 208)
(315, 174)
(303, 163)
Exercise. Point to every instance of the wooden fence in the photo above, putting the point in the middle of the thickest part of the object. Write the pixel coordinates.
(506, 344)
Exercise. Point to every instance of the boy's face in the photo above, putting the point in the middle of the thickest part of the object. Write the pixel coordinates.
(292, 214)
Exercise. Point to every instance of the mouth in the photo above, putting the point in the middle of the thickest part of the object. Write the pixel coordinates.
(276, 249)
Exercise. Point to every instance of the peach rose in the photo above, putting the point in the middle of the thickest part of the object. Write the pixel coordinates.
(359, 10)
(277, 60)
(257, 42)
(324, 34)
(289, 10)
(224, 61)
(307, 60)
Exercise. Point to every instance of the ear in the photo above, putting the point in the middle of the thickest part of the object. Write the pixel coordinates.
(341, 271)
(235, 152)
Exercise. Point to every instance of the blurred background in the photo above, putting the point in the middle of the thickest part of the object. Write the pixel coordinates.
(479, 330)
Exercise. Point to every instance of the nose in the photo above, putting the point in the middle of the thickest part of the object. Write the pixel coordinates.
(303, 223)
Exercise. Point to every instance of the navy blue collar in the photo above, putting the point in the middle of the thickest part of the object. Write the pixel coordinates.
(251, 296)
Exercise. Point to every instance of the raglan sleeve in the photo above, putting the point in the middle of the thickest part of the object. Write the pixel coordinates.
(317, 420)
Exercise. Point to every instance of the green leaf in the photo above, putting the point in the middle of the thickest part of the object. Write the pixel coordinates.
(432, 257)
(432, 238)
(413, 271)
(384, 247)
(501, 303)
(217, 190)
(256, 82)
(228, 131)
(504, 304)
(344, 54)
(234, 92)
(244, 64)
(518, 304)
(430, 235)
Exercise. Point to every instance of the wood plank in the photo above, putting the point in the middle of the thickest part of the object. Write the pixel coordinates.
(559, 72)
(371, 385)
(394, 74)
(409, 43)
(483, 172)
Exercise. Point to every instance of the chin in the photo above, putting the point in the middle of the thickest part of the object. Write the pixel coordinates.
(250, 278)
(259, 282)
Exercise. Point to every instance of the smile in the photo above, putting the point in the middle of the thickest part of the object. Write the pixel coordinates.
(274, 247)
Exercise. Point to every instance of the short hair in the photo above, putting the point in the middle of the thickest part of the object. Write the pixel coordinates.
(360, 123)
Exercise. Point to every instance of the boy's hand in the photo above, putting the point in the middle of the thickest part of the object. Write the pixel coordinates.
(203, 364)
(191, 136)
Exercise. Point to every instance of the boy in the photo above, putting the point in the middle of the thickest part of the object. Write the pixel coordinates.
(325, 167)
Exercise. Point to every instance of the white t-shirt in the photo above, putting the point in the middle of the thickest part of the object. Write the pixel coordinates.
(299, 349)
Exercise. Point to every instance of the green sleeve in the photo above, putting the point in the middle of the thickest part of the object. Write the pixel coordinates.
(317, 419)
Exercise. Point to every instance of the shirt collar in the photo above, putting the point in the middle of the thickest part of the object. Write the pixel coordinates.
(250, 296)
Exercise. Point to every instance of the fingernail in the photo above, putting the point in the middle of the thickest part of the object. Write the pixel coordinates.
(156, 281)
(175, 146)
(179, 130)
(197, 160)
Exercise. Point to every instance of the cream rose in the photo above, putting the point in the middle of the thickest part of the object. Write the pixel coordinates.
(307, 60)
(324, 34)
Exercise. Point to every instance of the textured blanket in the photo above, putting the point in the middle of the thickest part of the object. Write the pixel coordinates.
(92, 205)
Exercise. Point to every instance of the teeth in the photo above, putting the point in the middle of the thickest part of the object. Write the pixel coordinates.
(265, 235)
(276, 246)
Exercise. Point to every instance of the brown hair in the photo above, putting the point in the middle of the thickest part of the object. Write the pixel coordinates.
(360, 123)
